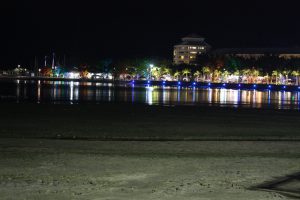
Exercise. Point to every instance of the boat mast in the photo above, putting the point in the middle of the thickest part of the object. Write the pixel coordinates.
(53, 62)
(45, 61)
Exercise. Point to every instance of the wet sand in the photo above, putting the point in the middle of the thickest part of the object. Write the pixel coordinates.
(109, 121)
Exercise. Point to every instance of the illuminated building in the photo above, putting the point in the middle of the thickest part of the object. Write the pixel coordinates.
(193, 45)
(256, 53)
(190, 47)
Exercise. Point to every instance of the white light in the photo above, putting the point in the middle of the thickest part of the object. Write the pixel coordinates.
(73, 75)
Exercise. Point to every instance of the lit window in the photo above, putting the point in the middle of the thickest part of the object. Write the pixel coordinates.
(193, 52)
(201, 47)
(193, 47)
(182, 57)
(192, 57)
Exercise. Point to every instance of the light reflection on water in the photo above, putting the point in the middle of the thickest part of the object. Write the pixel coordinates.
(75, 92)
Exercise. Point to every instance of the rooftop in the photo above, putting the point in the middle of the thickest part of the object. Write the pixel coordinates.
(200, 43)
(193, 39)
(258, 51)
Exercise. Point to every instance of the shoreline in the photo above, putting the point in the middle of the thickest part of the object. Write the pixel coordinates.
(190, 84)
(125, 122)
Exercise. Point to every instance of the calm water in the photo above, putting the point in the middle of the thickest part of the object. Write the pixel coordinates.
(84, 92)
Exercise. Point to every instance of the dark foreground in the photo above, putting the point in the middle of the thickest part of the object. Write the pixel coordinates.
(109, 121)
(46, 152)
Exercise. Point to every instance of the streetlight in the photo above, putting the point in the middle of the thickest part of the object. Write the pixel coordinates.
(151, 66)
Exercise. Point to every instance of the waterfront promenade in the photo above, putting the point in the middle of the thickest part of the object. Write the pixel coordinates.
(195, 84)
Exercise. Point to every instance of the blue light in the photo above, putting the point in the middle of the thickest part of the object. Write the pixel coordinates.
(194, 83)
(209, 84)
(298, 87)
(284, 87)
(132, 81)
(164, 82)
(239, 85)
(270, 86)
(224, 84)
(254, 85)
(148, 82)
(179, 82)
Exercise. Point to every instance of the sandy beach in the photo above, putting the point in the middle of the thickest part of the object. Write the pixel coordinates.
(124, 151)
(64, 169)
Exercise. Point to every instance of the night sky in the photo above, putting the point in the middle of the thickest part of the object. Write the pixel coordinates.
(87, 31)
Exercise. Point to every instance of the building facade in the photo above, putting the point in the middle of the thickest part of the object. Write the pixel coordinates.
(190, 47)
(256, 53)
(193, 45)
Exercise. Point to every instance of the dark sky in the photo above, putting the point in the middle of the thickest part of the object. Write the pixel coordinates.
(87, 31)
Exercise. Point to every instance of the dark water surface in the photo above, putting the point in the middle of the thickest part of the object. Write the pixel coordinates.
(85, 92)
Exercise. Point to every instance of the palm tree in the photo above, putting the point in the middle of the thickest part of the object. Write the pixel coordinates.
(225, 74)
(156, 72)
(276, 74)
(216, 74)
(197, 74)
(186, 72)
(246, 72)
(286, 75)
(237, 73)
(296, 74)
(177, 74)
(255, 74)
(267, 77)
(166, 70)
(205, 71)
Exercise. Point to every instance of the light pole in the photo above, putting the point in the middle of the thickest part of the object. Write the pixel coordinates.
(150, 68)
